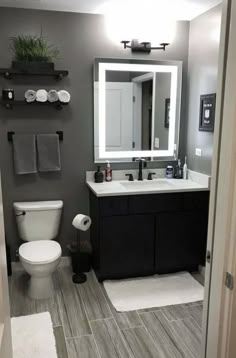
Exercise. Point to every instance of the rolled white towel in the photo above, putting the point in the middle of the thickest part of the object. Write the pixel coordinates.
(41, 95)
(53, 96)
(64, 96)
(30, 96)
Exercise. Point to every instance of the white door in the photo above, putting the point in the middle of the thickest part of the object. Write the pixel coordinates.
(119, 116)
(5, 330)
(220, 329)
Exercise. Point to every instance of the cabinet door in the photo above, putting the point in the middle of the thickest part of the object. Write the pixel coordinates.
(127, 246)
(180, 241)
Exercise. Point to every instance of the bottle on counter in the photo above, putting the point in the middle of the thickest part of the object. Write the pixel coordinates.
(98, 176)
(108, 172)
(179, 170)
(169, 172)
(185, 169)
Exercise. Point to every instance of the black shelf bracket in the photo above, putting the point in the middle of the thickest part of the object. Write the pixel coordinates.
(11, 134)
(60, 135)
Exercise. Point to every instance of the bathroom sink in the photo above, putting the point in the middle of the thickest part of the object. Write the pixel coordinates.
(147, 184)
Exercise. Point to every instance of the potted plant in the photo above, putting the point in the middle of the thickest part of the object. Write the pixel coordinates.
(33, 53)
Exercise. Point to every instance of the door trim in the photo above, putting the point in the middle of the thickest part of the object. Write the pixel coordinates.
(223, 189)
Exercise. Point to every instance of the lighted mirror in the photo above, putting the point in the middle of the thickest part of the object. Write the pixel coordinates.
(136, 109)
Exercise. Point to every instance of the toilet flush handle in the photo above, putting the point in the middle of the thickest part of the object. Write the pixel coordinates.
(23, 213)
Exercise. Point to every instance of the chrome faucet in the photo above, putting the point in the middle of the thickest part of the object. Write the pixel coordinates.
(141, 163)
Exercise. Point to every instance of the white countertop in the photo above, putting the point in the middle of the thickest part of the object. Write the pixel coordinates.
(160, 185)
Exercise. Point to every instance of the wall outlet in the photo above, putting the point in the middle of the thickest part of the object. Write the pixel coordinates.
(157, 143)
(198, 152)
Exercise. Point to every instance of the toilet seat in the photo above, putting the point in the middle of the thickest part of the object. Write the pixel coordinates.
(40, 252)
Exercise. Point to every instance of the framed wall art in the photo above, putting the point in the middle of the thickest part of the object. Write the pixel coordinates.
(207, 112)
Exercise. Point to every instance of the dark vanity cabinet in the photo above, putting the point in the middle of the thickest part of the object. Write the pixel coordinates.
(127, 245)
(140, 235)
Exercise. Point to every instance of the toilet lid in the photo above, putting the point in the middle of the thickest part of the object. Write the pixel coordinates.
(40, 252)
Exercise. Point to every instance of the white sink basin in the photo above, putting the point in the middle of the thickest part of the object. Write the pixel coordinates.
(147, 184)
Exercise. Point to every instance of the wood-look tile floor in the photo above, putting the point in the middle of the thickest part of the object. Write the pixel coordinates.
(86, 325)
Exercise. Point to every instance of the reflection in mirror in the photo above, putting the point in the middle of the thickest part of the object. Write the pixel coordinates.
(137, 105)
(162, 110)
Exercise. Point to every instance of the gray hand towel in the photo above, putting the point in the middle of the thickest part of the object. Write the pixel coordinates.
(24, 151)
(48, 152)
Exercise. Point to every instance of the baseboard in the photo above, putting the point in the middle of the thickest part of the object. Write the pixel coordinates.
(16, 266)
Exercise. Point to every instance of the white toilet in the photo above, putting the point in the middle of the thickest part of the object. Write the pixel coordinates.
(38, 223)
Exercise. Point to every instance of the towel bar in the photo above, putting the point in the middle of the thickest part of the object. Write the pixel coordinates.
(11, 134)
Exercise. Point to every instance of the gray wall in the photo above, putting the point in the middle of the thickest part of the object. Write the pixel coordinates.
(81, 37)
(202, 79)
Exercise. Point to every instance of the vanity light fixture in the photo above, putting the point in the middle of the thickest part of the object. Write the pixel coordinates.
(146, 47)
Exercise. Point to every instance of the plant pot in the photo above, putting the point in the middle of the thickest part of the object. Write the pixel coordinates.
(32, 66)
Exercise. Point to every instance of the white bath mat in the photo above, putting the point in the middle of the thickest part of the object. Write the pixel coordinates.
(154, 291)
(33, 337)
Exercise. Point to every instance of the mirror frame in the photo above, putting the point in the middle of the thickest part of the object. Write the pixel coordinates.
(101, 65)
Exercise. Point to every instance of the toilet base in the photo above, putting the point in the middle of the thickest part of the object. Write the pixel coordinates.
(41, 287)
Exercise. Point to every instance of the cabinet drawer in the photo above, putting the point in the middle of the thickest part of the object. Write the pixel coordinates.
(155, 203)
(196, 200)
(113, 206)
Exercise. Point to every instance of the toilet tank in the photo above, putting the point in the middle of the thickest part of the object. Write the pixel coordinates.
(38, 220)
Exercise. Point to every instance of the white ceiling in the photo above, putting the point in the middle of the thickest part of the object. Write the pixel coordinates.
(180, 9)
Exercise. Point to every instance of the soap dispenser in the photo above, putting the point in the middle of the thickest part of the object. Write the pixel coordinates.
(178, 170)
(108, 172)
(98, 176)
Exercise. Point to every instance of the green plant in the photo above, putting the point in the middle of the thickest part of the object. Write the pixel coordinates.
(33, 48)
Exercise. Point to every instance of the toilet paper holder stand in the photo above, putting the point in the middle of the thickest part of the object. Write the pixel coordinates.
(79, 277)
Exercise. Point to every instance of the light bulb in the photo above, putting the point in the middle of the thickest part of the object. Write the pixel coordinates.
(136, 19)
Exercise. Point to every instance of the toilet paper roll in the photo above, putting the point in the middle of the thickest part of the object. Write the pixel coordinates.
(82, 222)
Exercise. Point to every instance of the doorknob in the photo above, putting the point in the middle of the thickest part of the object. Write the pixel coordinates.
(208, 256)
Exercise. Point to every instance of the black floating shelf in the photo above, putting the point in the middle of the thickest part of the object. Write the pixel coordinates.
(9, 73)
(12, 104)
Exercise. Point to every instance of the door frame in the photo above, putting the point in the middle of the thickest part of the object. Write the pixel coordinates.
(5, 323)
(218, 327)
(137, 88)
